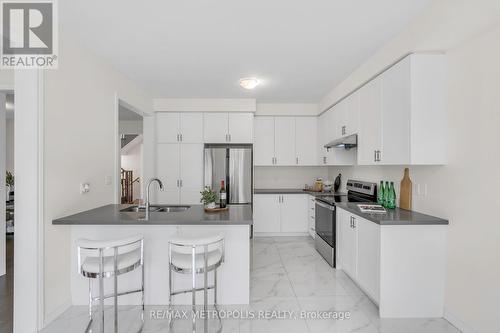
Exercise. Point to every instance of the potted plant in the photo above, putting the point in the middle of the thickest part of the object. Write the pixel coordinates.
(9, 181)
(208, 197)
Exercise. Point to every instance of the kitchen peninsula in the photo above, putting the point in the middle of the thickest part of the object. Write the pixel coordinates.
(117, 221)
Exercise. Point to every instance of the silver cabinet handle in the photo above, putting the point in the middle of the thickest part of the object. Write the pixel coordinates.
(354, 223)
(181, 137)
(177, 182)
(324, 159)
(296, 160)
(180, 182)
(177, 137)
(374, 156)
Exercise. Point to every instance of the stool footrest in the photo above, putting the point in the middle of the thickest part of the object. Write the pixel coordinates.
(118, 294)
(184, 291)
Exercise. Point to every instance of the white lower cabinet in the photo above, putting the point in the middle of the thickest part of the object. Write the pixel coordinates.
(312, 216)
(359, 248)
(280, 213)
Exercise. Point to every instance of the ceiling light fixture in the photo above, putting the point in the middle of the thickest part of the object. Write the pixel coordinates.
(249, 82)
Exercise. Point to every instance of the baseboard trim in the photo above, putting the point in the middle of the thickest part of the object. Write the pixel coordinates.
(458, 323)
(56, 313)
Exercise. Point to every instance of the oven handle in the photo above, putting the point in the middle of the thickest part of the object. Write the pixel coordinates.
(329, 207)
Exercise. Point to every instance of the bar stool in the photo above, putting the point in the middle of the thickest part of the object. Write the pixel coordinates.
(110, 258)
(195, 254)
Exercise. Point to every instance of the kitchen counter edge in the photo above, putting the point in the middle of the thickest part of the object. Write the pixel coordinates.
(112, 215)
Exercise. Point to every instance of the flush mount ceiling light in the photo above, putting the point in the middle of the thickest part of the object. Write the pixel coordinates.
(249, 82)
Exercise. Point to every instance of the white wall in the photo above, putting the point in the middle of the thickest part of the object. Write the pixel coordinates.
(287, 177)
(465, 190)
(79, 141)
(9, 151)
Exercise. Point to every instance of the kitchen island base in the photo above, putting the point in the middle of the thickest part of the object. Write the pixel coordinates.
(233, 276)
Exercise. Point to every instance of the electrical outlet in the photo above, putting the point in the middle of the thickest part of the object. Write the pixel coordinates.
(84, 188)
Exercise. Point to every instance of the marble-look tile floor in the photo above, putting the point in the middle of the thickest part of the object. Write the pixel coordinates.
(288, 277)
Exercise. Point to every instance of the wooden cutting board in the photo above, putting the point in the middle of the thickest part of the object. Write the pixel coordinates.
(405, 191)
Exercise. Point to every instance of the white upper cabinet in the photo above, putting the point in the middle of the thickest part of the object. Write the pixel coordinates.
(224, 127)
(240, 128)
(370, 129)
(403, 114)
(305, 140)
(284, 141)
(322, 124)
(215, 127)
(351, 117)
(191, 127)
(264, 141)
(167, 127)
(174, 127)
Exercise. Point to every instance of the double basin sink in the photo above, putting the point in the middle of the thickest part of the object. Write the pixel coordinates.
(156, 209)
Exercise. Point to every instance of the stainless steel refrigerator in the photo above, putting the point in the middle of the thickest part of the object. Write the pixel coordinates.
(233, 164)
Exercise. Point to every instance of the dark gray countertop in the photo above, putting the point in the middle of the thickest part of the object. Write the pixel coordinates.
(394, 216)
(111, 215)
(289, 191)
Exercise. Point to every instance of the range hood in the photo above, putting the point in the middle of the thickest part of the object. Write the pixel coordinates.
(346, 142)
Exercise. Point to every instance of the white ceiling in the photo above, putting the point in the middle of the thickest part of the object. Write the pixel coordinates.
(200, 48)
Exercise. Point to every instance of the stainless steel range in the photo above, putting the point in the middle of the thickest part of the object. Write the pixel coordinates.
(326, 215)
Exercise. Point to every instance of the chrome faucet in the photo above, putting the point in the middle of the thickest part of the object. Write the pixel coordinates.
(147, 203)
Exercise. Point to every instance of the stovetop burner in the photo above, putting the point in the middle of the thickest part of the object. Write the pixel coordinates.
(357, 191)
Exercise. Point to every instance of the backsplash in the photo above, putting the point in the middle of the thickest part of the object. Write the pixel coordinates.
(287, 177)
(428, 190)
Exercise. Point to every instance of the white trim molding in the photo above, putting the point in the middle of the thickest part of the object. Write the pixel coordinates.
(29, 235)
(204, 105)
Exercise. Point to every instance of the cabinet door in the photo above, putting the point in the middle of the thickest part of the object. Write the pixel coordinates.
(348, 240)
(191, 172)
(322, 130)
(396, 107)
(266, 213)
(167, 127)
(352, 114)
(305, 140)
(284, 140)
(340, 120)
(215, 127)
(167, 170)
(294, 213)
(241, 127)
(368, 265)
(370, 135)
(264, 141)
(191, 127)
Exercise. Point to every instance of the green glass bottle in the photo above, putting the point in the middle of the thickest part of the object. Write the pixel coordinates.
(381, 193)
(386, 194)
(391, 204)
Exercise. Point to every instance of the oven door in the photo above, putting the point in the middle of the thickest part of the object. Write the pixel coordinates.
(325, 222)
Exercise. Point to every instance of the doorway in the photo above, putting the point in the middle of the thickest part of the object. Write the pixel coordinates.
(7, 211)
(130, 125)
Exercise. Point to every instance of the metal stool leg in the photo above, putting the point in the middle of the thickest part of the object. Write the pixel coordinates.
(101, 289)
(90, 307)
(115, 296)
(194, 287)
